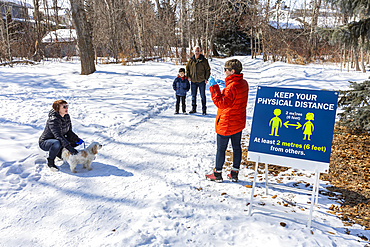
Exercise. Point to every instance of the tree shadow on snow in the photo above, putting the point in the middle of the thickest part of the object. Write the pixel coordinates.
(110, 72)
(98, 170)
(134, 73)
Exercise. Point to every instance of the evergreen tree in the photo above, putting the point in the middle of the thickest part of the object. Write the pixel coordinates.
(231, 42)
(356, 32)
(230, 37)
(355, 104)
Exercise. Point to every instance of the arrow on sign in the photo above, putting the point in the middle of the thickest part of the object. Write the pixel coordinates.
(287, 124)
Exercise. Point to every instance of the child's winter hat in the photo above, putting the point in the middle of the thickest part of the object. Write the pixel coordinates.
(181, 70)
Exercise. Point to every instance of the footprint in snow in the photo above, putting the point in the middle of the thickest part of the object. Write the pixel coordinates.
(15, 175)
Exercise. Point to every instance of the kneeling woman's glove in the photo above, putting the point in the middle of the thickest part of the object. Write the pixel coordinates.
(79, 142)
(72, 150)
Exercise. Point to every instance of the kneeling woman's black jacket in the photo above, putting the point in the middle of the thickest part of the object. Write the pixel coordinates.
(60, 128)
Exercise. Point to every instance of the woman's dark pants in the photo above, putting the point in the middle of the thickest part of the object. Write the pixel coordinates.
(53, 146)
(222, 142)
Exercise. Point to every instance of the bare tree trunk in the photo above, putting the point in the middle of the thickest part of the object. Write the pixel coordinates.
(363, 58)
(264, 31)
(2, 39)
(211, 40)
(251, 38)
(132, 34)
(343, 52)
(357, 65)
(84, 37)
(252, 34)
(38, 29)
(312, 39)
(349, 59)
(110, 5)
(207, 31)
(263, 41)
(8, 22)
(56, 16)
(140, 30)
(182, 26)
(256, 43)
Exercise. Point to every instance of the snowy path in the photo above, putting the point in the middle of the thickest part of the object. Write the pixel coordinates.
(147, 186)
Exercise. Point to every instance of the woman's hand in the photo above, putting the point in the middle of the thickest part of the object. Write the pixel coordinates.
(72, 150)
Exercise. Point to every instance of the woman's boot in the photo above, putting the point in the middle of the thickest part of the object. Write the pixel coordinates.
(52, 165)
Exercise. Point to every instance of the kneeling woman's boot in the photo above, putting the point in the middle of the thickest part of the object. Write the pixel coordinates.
(52, 165)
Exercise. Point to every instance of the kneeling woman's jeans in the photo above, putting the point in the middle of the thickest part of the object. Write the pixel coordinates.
(51, 145)
(222, 142)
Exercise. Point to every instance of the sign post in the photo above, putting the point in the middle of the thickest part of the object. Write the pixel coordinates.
(293, 128)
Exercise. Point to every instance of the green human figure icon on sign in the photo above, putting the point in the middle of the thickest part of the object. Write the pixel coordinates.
(275, 123)
(308, 126)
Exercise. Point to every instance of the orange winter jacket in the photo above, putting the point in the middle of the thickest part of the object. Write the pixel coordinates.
(231, 104)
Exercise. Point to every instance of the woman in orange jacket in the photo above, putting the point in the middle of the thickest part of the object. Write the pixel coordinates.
(231, 117)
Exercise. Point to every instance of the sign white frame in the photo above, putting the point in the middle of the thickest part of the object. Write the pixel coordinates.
(307, 165)
(314, 193)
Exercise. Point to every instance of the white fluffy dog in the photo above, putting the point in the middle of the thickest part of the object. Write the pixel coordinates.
(84, 157)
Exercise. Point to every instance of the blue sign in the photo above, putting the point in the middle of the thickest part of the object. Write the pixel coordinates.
(295, 124)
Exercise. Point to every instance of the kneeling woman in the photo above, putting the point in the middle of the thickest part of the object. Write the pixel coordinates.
(58, 133)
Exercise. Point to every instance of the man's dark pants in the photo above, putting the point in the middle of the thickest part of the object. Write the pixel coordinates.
(202, 90)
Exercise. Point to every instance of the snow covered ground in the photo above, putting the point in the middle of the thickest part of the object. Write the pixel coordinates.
(147, 186)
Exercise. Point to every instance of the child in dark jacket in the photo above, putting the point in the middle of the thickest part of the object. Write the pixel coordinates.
(181, 85)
